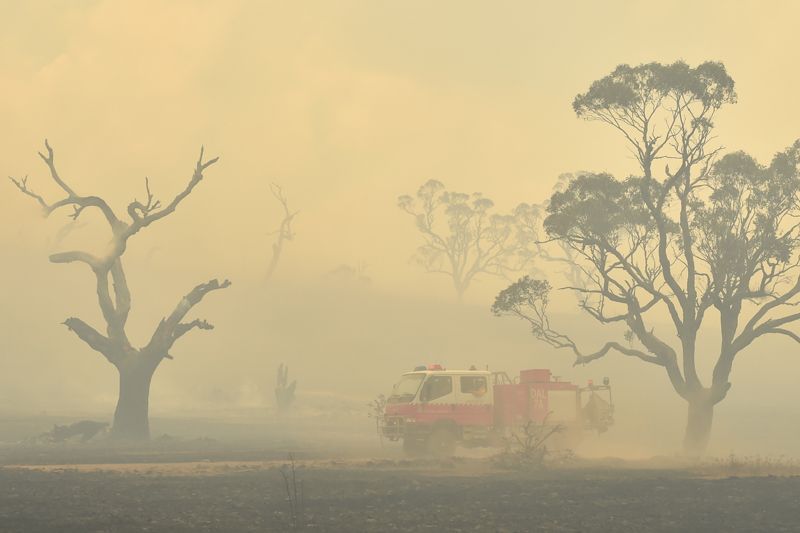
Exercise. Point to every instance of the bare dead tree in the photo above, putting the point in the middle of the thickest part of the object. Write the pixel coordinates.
(283, 234)
(464, 240)
(136, 365)
(708, 234)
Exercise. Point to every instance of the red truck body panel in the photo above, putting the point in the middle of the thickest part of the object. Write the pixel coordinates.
(517, 403)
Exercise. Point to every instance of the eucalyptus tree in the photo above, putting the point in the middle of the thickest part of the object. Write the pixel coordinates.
(464, 239)
(135, 365)
(709, 240)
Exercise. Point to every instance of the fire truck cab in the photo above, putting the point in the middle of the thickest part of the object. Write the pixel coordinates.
(433, 409)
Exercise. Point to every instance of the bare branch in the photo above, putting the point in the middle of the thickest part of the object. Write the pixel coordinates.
(93, 338)
(781, 300)
(77, 256)
(184, 327)
(137, 209)
(144, 215)
(782, 331)
(528, 299)
(78, 202)
(49, 160)
(22, 185)
(583, 359)
(171, 328)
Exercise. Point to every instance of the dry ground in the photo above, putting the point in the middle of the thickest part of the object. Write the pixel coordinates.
(390, 495)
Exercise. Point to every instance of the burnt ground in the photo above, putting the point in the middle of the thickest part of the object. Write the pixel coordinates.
(389, 495)
(227, 478)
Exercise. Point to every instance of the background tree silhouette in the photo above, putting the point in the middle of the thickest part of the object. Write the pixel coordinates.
(283, 234)
(464, 239)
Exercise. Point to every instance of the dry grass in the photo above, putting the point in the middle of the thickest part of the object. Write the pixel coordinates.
(526, 448)
(748, 466)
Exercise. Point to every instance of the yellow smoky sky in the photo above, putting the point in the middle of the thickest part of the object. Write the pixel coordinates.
(348, 105)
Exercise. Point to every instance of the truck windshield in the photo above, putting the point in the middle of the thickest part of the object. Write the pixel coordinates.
(406, 389)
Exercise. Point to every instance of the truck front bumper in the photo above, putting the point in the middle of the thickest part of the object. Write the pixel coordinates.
(393, 427)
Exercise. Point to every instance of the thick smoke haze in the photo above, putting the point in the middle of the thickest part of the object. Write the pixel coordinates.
(347, 106)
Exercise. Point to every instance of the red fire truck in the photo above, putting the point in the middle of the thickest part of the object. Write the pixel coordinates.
(433, 409)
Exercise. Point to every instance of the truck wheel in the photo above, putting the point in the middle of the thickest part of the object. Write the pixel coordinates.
(413, 447)
(442, 443)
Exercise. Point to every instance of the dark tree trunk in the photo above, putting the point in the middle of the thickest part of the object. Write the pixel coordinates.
(698, 427)
(131, 417)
